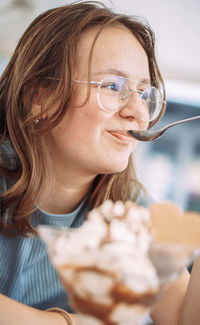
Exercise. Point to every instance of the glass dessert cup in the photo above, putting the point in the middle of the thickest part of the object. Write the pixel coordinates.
(118, 264)
(100, 297)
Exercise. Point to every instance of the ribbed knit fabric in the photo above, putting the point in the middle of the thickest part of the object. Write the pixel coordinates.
(26, 273)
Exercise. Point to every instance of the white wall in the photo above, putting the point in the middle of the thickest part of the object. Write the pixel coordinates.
(176, 24)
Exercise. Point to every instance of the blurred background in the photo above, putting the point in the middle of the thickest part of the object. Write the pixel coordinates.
(169, 167)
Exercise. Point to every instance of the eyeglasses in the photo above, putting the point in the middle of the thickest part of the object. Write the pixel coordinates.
(113, 93)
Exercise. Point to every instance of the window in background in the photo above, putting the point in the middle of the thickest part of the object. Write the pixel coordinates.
(169, 167)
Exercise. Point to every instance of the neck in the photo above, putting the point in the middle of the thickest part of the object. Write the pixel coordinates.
(63, 193)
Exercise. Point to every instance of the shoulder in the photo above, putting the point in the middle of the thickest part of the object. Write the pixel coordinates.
(3, 185)
(9, 162)
(8, 156)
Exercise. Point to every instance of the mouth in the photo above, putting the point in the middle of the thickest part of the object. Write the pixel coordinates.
(121, 135)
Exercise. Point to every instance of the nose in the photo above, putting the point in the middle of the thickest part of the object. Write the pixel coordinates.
(135, 108)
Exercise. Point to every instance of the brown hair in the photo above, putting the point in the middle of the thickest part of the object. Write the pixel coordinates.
(44, 57)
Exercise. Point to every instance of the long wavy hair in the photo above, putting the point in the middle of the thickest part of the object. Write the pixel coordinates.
(46, 55)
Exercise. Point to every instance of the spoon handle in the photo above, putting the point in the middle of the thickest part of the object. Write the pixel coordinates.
(149, 135)
(181, 121)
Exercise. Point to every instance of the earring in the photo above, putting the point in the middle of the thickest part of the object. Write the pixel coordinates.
(36, 121)
(42, 117)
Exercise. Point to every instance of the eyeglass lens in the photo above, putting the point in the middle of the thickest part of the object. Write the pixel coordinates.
(114, 92)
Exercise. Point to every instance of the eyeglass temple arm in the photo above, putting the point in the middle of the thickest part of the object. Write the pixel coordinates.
(88, 82)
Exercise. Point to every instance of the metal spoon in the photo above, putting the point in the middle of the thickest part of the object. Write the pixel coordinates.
(149, 135)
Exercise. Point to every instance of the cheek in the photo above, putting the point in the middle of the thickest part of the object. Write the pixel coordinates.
(82, 124)
(89, 115)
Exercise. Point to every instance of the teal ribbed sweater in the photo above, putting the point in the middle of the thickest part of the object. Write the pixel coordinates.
(26, 273)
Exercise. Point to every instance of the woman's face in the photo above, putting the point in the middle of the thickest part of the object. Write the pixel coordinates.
(88, 139)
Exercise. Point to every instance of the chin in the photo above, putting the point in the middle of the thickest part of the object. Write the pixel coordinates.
(115, 167)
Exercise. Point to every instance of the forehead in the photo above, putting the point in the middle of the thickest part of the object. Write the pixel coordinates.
(116, 48)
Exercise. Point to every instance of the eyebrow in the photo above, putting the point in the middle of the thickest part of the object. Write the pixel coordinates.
(122, 74)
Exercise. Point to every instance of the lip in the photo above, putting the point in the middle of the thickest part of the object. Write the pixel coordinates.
(121, 135)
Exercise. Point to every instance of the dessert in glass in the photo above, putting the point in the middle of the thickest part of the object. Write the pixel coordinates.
(113, 267)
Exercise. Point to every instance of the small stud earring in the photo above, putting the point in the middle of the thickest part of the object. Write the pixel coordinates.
(36, 121)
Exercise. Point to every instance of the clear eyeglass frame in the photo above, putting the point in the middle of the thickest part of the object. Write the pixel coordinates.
(123, 91)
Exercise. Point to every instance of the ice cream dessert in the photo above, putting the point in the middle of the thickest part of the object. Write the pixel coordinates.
(105, 267)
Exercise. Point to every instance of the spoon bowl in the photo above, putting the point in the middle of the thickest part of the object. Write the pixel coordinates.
(149, 135)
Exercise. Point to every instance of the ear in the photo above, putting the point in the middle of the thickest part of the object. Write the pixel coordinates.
(36, 112)
(37, 102)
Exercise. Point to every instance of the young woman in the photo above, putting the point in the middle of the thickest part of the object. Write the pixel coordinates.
(80, 78)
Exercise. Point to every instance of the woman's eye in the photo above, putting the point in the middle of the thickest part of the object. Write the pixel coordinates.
(144, 94)
(111, 86)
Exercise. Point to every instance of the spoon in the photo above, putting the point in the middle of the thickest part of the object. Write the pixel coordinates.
(149, 135)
